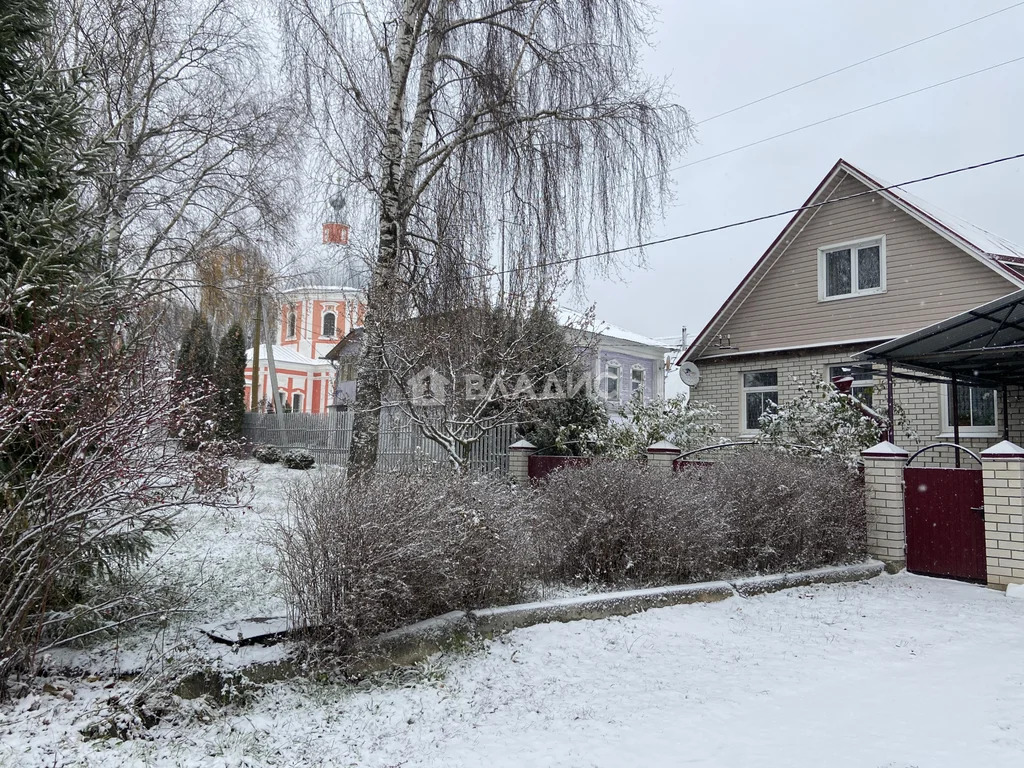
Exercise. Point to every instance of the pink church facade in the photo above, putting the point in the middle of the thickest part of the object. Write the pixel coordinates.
(311, 321)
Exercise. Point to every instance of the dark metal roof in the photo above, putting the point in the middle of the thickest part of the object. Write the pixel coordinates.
(984, 345)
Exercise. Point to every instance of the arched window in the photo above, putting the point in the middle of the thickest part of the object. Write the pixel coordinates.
(291, 323)
(329, 323)
(611, 377)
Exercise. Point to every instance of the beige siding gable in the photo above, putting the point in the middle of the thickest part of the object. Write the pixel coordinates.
(927, 280)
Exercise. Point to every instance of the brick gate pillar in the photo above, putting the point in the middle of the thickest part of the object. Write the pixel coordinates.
(661, 456)
(1002, 468)
(883, 500)
(519, 461)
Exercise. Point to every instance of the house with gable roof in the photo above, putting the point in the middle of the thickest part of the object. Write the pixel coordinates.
(861, 263)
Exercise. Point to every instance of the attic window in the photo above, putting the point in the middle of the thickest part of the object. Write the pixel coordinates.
(851, 269)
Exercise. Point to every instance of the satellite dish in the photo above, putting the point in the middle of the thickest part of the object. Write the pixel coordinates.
(689, 374)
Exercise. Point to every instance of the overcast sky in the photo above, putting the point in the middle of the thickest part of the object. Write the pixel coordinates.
(724, 53)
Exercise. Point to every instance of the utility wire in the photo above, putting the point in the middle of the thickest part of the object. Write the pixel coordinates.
(845, 114)
(756, 219)
(859, 63)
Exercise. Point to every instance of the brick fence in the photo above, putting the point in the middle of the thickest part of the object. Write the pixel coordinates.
(1003, 483)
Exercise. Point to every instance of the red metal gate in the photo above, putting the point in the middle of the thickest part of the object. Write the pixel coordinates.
(945, 522)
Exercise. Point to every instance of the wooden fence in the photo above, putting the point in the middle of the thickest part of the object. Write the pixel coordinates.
(401, 445)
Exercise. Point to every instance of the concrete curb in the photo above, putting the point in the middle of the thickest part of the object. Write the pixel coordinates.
(759, 585)
(491, 621)
(415, 642)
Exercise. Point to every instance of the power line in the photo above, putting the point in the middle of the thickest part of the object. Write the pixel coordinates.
(859, 63)
(846, 114)
(757, 219)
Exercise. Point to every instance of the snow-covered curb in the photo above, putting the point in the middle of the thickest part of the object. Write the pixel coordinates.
(490, 621)
(757, 585)
(416, 642)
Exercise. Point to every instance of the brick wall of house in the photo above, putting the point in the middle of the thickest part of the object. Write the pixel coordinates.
(720, 385)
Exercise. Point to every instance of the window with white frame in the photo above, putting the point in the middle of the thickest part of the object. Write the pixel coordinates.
(329, 324)
(636, 382)
(296, 402)
(977, 408)
(611, 381)
(851, 269)
(291, 323)
(760, 392)
(863, 383)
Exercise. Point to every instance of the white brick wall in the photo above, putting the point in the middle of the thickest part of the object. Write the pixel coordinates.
(720, 385)
(883, 497)
(1004, 521)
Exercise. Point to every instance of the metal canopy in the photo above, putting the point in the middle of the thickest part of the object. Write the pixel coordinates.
(984, 345)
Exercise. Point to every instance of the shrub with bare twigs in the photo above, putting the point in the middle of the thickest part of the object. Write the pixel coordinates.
(757, 511)
(88, 475)
(366, 558)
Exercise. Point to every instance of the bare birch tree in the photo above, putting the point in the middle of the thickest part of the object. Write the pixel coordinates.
(469, 122)
(461, 374)
(197, 140)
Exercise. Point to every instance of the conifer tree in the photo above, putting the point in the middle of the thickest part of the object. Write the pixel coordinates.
(43, 239)
(193, 384)
(229, 377)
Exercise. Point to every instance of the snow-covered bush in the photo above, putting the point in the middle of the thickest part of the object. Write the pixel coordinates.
(685, 424)
(616, 522)
(620, 523)
(823, 418)
(298, 459)
(88, 476)
(784, 511)
(267, 454)
(363, 558)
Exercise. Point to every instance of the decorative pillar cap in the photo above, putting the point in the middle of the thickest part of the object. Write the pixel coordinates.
(1004, 450)
(885, 450)
(662, 446)
(522, 445)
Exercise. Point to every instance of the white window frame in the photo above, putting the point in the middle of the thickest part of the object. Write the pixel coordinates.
(292, 403)
(947, 417)
(853, 246)
(291, 320)
(323, 319)
(744, 429)
(608, 378)
(643, 381)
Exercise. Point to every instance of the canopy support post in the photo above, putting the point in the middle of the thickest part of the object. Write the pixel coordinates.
(890, 407)
(955, 418)
(1006, 412)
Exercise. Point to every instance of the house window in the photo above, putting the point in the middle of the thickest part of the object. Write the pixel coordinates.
(851, 269)
(863, 384)
(612, 381)
(329, 324)
(978, 410)
(296, 402)
(760, 391)
(291, 324)
(637, 381)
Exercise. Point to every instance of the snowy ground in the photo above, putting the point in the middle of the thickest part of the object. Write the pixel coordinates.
(897, 672)
(221, 565)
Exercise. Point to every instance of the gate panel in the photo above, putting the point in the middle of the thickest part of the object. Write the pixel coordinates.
(542, 466)
(945, 529)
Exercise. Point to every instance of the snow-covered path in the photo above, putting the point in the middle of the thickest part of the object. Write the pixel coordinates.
(897, 672)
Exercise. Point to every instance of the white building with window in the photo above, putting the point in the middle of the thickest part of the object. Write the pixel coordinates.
(859, 265)
(626, 364)
(311, 321)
